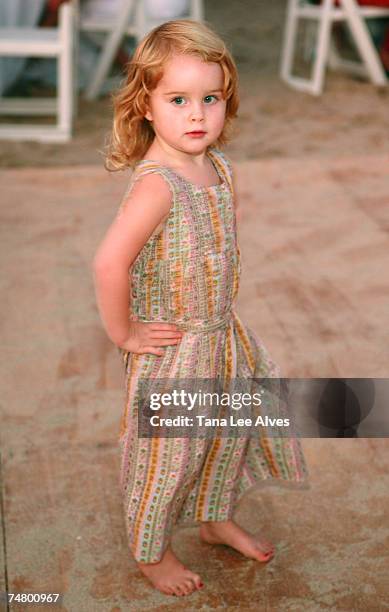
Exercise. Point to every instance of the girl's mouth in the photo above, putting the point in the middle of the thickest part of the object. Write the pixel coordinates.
(196, 134)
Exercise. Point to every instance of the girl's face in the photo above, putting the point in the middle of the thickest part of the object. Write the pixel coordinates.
(188, 98)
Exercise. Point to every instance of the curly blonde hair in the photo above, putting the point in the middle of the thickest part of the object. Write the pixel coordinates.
(132, 134)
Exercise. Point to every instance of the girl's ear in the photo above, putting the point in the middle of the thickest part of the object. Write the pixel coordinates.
(148, 114)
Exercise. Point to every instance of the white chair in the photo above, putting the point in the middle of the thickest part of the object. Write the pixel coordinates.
(132, 20)
(324, 52)
(60, 43)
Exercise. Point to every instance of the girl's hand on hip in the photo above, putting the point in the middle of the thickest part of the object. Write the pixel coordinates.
(148, 337)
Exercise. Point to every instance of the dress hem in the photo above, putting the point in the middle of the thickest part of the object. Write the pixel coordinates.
(299, 485)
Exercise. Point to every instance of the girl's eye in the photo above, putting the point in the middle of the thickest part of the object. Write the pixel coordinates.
(180, 100)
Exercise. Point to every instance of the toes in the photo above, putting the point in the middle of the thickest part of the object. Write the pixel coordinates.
(178, 590)
(265, 546)
(164, 588)
(267, 556)
(168, 591)
(264, 555)
(185, 588)
(196, 580)
(188, 586)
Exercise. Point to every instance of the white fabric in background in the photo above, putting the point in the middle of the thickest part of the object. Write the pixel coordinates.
(155, 9)
(166, 9)
(106, 10)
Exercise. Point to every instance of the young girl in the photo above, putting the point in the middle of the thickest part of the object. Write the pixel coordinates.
(166, 277)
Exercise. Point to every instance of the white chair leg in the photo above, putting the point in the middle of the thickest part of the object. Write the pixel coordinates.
(320, 60)
(288, 46)
(75, 57)
(110, 49)
(364, 43)
(65, 71)
(325, 53)
(315, 84)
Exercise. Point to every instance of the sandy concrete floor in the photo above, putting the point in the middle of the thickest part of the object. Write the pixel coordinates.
(313, 183)
(312, 288)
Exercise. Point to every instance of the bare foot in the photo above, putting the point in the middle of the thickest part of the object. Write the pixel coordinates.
(228, 532)
(170, 576)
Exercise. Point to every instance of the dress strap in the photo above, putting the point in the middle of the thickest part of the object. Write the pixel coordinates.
(142, 168)
(223, 165)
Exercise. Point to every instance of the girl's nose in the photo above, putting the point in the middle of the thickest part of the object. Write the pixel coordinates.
(197, 112)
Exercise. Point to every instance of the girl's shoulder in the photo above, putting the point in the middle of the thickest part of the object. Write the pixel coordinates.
(148, 166)
(141, 170)
(144, 167)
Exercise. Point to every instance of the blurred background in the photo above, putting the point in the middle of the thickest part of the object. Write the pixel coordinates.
(275, 120)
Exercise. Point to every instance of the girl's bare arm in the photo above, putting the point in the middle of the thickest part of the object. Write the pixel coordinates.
(148, 203)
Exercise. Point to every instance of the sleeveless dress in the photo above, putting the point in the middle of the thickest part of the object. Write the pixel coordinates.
(188, 274)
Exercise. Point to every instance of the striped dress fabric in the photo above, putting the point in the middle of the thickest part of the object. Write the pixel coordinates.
(188, 274)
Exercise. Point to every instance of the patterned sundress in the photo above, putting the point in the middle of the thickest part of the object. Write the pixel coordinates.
(188, 274)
